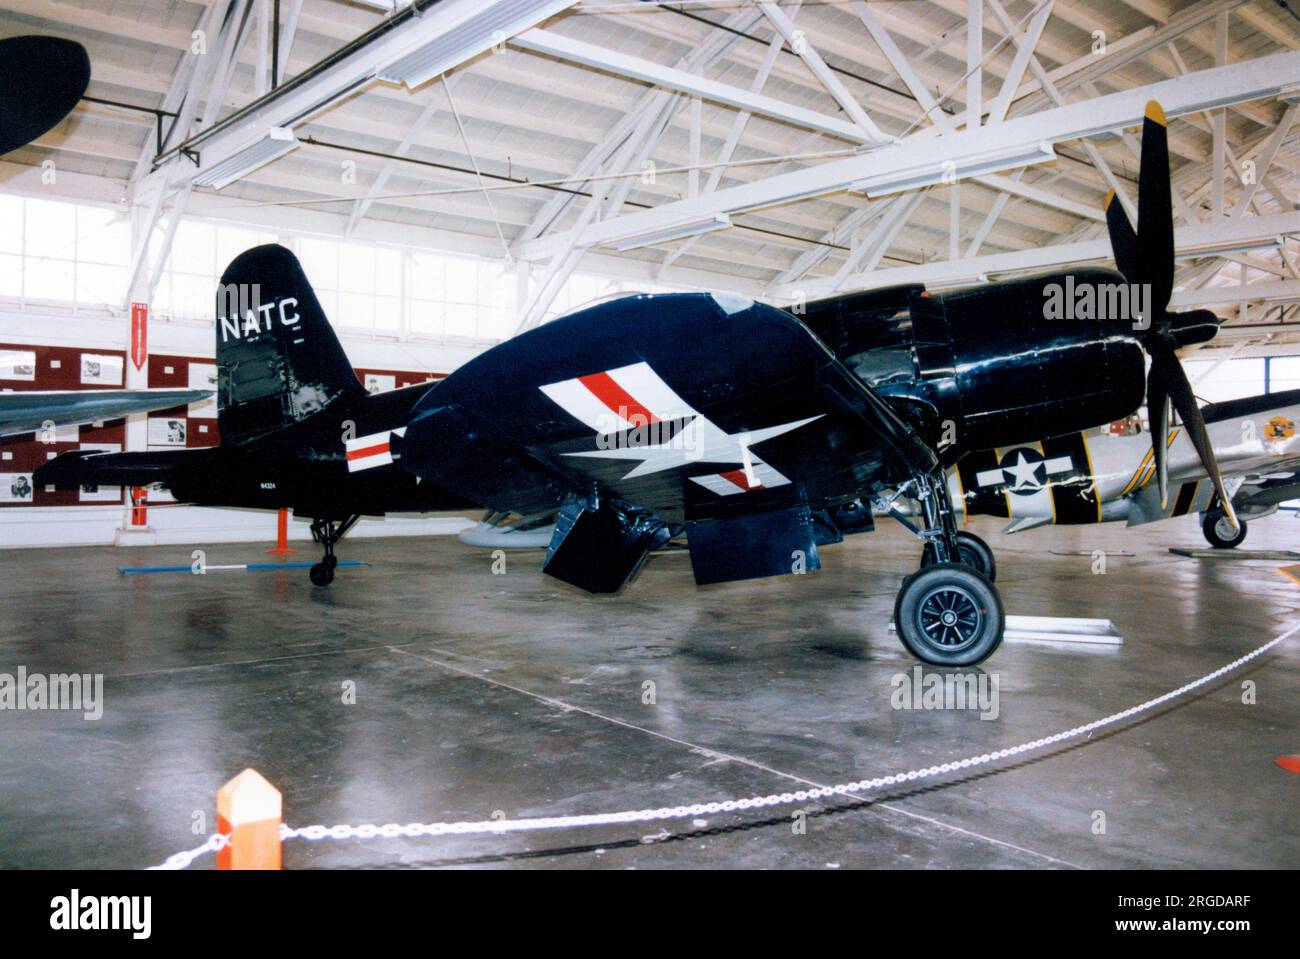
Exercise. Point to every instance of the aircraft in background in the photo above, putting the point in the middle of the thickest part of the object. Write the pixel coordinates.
(1099, 478)
(41, 81)
(34, 411)
(758, 432)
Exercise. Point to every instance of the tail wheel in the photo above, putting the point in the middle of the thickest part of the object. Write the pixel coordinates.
(974, 553)
(949, 614)
(322, 574)
(1219, 532)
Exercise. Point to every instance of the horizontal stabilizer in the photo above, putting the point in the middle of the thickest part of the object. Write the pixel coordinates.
(93, 468)
(772, 543)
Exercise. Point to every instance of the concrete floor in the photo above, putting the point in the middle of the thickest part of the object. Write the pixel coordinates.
(479, 692)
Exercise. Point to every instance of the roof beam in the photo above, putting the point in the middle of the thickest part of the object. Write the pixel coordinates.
(1198, 91)
(413, 46)
(1188, 241)
(817, 66)
(683, 81)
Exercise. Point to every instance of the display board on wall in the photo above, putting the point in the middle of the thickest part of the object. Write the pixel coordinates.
(24, 368)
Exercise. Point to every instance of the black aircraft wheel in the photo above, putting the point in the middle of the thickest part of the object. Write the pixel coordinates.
(331, 561)
(974, 552)
(949, 614)
(322, 575)
(1218, 531)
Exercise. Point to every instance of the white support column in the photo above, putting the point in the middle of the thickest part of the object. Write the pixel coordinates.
(262, 68)
(287, 34)
(974, 63)
(693, 177)
(954, 221)
(1220, 116)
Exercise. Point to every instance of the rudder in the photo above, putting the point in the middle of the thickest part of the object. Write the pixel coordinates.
(278, 359)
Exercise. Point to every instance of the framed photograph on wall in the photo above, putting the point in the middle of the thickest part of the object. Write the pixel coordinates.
(100, 370)
(166, 431)
(380, 383)
(16, 488)
(18, 365)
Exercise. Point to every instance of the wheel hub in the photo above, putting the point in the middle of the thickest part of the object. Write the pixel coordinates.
(950, 617)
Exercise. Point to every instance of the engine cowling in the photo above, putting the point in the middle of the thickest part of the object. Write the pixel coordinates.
(1003, 364)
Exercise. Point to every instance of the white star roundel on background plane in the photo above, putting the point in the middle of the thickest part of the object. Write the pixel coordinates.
(635, 398)
(1024, 470)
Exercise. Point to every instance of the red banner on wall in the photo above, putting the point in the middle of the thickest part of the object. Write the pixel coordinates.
(139, 334)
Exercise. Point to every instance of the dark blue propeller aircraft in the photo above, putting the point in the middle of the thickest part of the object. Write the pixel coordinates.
(761, 434)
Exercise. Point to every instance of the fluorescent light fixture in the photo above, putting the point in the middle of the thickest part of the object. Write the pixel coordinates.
(274, 144)
(488, 28)
(950, 171)
(386, 5)
(1228, 247)
(678, 231)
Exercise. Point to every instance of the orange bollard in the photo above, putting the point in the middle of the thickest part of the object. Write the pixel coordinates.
(281, 536)
(248, 814)
(1289, 763)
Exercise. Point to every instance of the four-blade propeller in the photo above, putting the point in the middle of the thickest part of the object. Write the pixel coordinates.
(1146, 258)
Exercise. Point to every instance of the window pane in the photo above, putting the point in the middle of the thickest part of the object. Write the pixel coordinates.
(356, 268)
(194, 249)
(425, 317)
(51, 229)
(426, 280)
(462, 281)
(1284, 373)
(11, 215)
(388, 272)
(320, 261)
(494, 324)
(386, 313)
(48, 280)
(459, 320)
(103, 236)
(232, 241)
(11, 275)
(99, 284)
(193, 295)
(356, 309)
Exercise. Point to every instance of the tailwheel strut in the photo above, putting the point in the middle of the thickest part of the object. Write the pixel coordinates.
(949, 612)
(328, 533)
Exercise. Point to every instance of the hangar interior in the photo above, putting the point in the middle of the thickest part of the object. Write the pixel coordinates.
(454, 175)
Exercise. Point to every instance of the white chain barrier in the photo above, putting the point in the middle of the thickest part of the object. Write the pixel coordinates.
(498, 826)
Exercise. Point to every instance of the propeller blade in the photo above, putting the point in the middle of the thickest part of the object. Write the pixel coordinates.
(1158, 411)
(1180, 391)
(1123, 239)
(1155, 260)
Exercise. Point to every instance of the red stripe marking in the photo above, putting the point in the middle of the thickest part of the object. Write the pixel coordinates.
(617, 399)
(738, 478)
(367, 451)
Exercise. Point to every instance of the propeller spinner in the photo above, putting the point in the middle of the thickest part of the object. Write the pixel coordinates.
(1146, 256)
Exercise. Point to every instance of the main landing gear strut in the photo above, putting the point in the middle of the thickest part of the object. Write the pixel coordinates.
(948, 612)
(327, 533)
